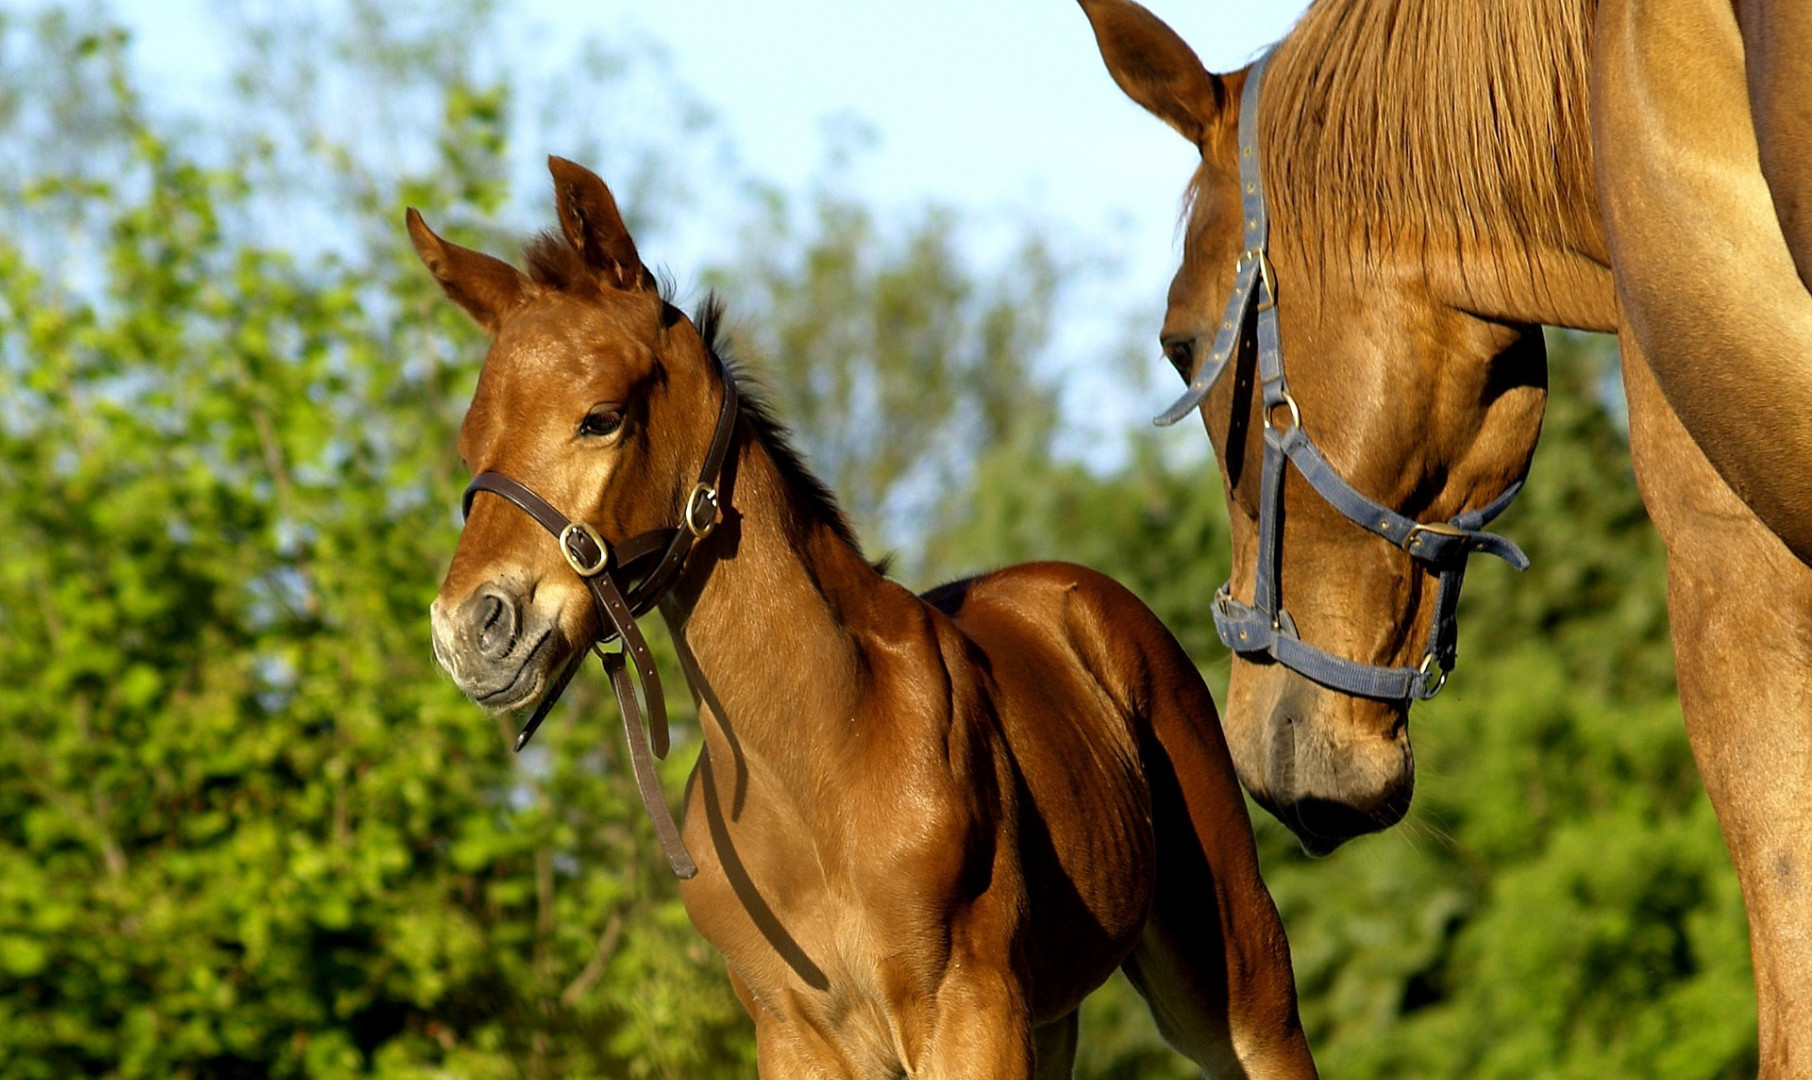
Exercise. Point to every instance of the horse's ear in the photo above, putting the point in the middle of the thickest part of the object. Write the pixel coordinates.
(1157, 68)
(589, 217)
(486, 287)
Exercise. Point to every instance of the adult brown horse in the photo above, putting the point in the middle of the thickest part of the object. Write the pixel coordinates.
(924, 829)
(1434, 193)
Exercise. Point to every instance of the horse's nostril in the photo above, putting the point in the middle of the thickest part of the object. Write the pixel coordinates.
(496, 623)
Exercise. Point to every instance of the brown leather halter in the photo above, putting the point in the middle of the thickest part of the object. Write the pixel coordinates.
(651, 563)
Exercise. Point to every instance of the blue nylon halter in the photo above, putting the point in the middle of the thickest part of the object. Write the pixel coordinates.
(1264, 627)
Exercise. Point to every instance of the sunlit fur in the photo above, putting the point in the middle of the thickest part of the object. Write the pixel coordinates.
(925, 827)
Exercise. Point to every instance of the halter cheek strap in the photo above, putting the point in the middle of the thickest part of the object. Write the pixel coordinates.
(651, 562)
(1264, 627)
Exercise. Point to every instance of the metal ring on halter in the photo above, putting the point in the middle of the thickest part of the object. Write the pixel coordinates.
(709, 496)
(1430, 662)
(1295, 413)
(572, 559)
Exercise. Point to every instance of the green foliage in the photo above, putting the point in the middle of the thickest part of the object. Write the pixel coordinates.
(247, 829)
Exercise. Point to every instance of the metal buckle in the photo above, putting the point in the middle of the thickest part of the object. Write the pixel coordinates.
(1429, 662)
(572, 560)
(1413, 539)
(709, 496)
(1264, 271)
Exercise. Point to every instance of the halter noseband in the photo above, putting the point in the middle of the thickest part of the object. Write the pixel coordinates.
(1264, 627)
(651, 562)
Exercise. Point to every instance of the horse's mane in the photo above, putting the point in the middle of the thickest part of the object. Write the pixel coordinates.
(1456, 121)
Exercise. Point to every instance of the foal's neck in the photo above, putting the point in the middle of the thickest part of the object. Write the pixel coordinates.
(772, 609)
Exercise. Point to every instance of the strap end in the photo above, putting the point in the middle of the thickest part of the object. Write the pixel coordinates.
(1188, 403)
(541, 711)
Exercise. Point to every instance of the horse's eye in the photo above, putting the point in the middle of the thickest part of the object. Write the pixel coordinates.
(601, 422)
(1181, 355)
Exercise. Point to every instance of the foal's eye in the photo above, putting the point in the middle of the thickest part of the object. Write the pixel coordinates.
(601, 422)
(1181, 355)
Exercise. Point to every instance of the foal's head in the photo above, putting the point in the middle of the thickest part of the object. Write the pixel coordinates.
(597, 394)
(1422, 386)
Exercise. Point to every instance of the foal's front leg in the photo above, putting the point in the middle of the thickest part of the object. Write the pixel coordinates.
(780, 1054)
(980, 1029)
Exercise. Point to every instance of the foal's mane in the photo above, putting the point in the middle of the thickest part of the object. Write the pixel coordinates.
(752, 400)
(1456, 121)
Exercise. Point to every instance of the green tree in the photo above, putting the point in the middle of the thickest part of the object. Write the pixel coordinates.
(899, 364)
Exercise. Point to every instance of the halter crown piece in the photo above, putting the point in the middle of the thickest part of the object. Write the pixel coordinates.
(651, 562)
(1264, 627)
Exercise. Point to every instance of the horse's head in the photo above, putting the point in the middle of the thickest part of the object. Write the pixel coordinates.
(1418, 403)
(596, 394)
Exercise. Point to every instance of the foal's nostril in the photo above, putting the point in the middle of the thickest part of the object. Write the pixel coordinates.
(495, 622)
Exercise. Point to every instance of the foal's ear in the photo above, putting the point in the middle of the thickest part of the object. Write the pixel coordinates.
(487, 288)
(1157, 68)
(588, 216)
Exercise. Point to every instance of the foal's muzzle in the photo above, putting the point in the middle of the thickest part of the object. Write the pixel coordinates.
(498, 650)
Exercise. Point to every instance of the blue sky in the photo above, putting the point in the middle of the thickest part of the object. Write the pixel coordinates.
(1001, 109)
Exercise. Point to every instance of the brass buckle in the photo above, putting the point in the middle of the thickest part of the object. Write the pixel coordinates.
(1439, 528)
(704, 492)
(572, 560)
(1264, 271)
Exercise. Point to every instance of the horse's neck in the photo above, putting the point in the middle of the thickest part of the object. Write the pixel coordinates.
(768, 616)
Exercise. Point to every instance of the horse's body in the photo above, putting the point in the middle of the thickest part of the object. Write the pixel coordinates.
(924, 828)
(1441, 181)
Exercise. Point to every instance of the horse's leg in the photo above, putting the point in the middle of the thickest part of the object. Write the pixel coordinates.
(1741, 608)
(780, 1055)
(1054, 1047)
(1213, 962)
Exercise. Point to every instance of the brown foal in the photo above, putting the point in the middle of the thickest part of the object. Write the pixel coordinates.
(925, 828)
